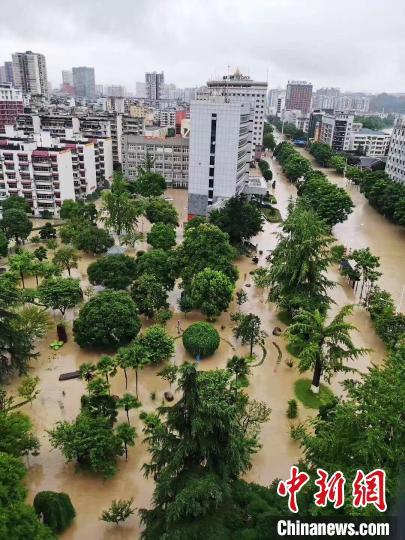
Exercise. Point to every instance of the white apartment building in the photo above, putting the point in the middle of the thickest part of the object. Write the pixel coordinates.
(241, 88)
(335, 131)
(29, 71)
(276, 101)
(167, 118)
(372, 143)
(395, 167)
(220, 143)
(170, 157)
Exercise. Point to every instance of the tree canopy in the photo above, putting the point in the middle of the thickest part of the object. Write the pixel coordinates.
(150, 184)
(112, 271)
(161, 211)
(162, 236)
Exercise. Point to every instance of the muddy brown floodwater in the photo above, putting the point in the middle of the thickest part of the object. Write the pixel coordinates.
(271, 382)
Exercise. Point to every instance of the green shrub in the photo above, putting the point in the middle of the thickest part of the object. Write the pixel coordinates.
(56, 509)
(201, 339)
(292, 409)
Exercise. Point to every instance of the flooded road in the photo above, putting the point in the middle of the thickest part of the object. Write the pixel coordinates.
(271, 382)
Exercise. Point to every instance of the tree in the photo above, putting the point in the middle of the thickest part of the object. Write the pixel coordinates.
(55, 509)
(161, 211)
(40, 253)
(338, 163)
(16, 203)
(158, 344)
(47, 231)
(3, 244)
(75, 210)
(19, 522)
(240, 368)
(162, 235)
(12, 472)
(126, 434)
(86, 371)
(322, 153)
(93, 240)
(28, 389)
(201, 339)
(211, 292)
(107, 366)
(135, 356)
(108, 320)
(330, 202)
(169, 373)
(268, 141)
(150, 184)
(16, 224)
(119, 211)
(22, 263)
(129, 402)
(323, 347)
(149, 295)
(198, 449)
(366, 264)
(66, 258)
(241, 297)
(356, 435)
(239, 218)
(296, 167)
(89, 440)
(158, 263)
(32, 322)
(60, 293)
(299, 263)
(248, 329)
(119, 511)
(205, 246)
(17, 438)
(112, 271)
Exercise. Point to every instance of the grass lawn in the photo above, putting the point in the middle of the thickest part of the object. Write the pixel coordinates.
(303, 393)
(271, 214)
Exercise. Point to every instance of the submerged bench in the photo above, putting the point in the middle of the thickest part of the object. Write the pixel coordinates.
(70, 375)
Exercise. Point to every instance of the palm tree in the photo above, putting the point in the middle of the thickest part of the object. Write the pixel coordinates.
(127, 435)
(128, 402)
(323, 347)
(86, 371)
(107, 367)
(134, 356)
(366, 264)
(239, 367)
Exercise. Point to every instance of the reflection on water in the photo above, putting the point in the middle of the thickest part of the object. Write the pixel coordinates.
(271, 382)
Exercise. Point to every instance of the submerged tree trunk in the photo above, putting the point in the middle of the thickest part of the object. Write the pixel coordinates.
(126, 379)
(317, 377)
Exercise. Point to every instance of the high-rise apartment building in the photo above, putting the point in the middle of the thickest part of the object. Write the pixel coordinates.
(395, 167)
(29, 71)
(11, 105)
(84, 82)
(220, 142)
(115, 91)
(155, 84)
(6, 73)
(140, 90)
(335, 131)
(242, 89)
(67, 76)
(298, 96)
(276, 101)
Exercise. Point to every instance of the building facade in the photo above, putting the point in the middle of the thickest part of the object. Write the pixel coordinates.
(84, 82)
(170, 157)
(29, 72)
(395, 167)
(154, 85)
(369, 142)
(6, 73)
(11, 105)
(240, 88)
(298, 96)
(220, 144)
(335, 131)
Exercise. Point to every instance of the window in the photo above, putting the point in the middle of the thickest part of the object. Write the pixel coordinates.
(210, 193)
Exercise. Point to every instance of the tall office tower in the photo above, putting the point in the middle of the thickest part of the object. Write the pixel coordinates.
(29, 71)
(220, 143)
(298, 96)
(155, 83)
(84, 82)
(396, 155)
(67, 76)
(241, 88)
(11, 104)
(6, 73)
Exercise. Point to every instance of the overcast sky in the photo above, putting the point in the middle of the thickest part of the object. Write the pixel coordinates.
(356, 45)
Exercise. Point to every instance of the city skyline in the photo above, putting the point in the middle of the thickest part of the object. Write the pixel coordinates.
(282, 39)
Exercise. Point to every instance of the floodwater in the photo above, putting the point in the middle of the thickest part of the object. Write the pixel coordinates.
(271, 382)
